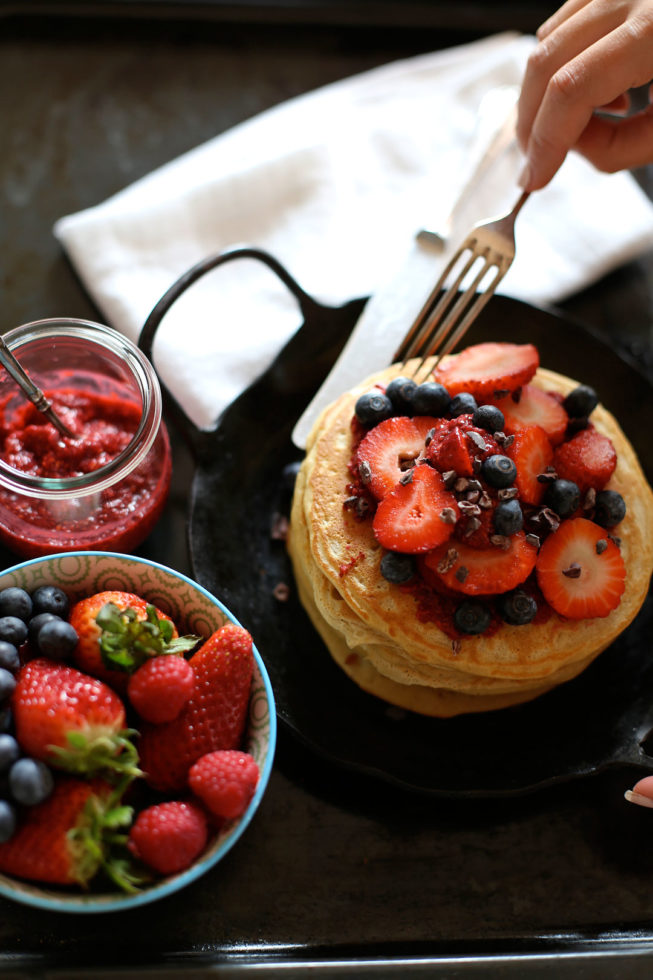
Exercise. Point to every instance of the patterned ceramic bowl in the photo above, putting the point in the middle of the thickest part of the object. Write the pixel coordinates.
(82, 573)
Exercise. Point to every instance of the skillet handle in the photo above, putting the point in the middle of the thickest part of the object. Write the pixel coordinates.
(308, 307)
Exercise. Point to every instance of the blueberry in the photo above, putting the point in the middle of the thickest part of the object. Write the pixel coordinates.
(563, 497)
(49, 598)
(498, 471)
(463, 403)
(30, 781)
(7, 821)
(398, 568)
(472, 616)
(373, 407)
(9, 658)
(13, 630)
(57, 639)
(9, 751)
(35, 624)
(15, 602)
(431, 398)
(580, 402)
(289, 475)
(508, 517)
(7, 684)
(488, 417)
(401, 392)
(517, 608)
(610, 508)
(6, 718)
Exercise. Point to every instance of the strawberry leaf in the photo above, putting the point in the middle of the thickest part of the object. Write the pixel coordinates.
(126, 641)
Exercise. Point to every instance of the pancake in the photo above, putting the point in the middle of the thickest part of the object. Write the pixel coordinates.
(374, 629)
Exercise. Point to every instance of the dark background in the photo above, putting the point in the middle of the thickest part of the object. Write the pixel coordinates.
(334, 868)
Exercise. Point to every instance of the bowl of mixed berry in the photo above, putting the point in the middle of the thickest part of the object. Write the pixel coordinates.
(137, 731)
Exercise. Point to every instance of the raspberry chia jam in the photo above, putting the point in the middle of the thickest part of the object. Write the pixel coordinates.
(103, 488)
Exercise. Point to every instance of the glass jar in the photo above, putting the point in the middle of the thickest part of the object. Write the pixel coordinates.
(105, 488)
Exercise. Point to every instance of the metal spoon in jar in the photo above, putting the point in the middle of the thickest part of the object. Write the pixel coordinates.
(32, 391)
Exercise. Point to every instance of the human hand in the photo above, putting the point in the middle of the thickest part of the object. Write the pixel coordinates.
(590, 53)
(642, 792)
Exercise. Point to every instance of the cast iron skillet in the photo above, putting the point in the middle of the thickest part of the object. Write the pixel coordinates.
(601, 719)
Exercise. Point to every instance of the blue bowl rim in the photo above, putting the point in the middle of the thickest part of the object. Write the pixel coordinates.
(86, 904)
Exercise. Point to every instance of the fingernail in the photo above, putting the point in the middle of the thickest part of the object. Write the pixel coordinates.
(524, 178)
(638, 798)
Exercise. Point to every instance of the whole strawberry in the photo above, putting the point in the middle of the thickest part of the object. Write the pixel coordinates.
(167, 837)
(70, 720)
(160, 688)
(63, 840)
(214, 717)
(118, 631)
(224, 781)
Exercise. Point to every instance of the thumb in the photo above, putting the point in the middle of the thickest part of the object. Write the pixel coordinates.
(618, 144)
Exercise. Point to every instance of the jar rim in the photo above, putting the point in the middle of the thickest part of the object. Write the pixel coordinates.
(140, 369)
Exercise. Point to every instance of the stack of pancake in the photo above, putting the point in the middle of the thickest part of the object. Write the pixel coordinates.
(371, 626)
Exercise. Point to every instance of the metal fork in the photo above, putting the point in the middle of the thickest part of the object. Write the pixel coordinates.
(446, 317)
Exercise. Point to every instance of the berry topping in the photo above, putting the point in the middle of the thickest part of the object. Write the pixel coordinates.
(581, 402)
(588, 458)
(472, 617)
(563, 497)
(489, 370)
(610, 508)
(167, 837)
(457, 444)
(488, 417)
(373, 407)
(401, 392)
(508, 517)
(517, 608)
(463, 403)
(398, 568)
(532, 453)
(224, 782)
(581, 573)
(160, 688)
(432, 399)
(389, 450)
(499, 471)
(483, 571)
(417, 515)
(535, 407)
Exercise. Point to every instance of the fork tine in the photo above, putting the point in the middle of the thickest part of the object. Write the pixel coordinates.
(447, 315)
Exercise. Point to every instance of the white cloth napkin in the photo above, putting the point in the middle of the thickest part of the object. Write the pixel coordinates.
(334, 184)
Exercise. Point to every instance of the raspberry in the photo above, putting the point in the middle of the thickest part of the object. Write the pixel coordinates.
(160, 688)
(225, 781)
(167, 837)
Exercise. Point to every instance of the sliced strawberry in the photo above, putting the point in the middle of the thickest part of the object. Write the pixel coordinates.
(531, 453)
(389, 449)
(580, 570)
(588, 459)
(534, 407)
(488, 571)
(488, 369)
(456, 443)
(417, 515)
